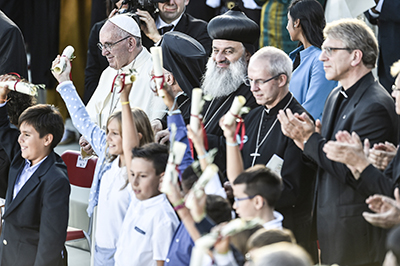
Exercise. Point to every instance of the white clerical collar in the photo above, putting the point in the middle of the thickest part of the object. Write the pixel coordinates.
(343, 92)
(161, 23)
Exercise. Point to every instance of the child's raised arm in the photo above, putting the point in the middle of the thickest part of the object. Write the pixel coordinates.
(234, 160)
(130, 135)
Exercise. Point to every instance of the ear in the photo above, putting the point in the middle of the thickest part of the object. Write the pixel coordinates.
(161, 176)
(140, 135)
(131, 44)
(259, 202)
(169, 78)
(356, 57)
(248, 55)
(186, 2)
(296, 23)
(47, 140)
(282, 80)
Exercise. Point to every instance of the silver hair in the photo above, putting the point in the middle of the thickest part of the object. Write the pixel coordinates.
(276, 61)
(356, 35)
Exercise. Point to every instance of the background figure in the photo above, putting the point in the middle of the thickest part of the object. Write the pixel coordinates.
(199, 9)
(39, 23)
(96, 62)
(393, 248)
(386, 15)
(273, 22)
(12, 59)
(309, 86)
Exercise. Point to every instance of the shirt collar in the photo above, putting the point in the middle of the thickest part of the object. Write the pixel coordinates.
(152, 201)
(276, 223)
(274, 110)
(36, 166)
(352, 90)
(161, 23)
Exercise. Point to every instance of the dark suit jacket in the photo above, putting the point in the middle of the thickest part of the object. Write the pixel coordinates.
(195, 28)
(12, 59)
(389, 39)
(344, 236)
(35, 222)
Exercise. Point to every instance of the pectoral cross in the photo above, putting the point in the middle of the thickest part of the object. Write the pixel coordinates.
(255, 154)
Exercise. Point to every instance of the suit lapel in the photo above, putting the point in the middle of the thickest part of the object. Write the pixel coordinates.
(355, 99)
(182, 23)
(328, 122)
(12, 177)
(29, 186)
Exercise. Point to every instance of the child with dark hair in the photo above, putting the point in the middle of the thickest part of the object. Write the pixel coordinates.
(38, 187)
(256, 192)
(150, 221)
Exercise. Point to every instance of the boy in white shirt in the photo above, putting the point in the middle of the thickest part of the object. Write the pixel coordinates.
(150, 221)
(256, 191)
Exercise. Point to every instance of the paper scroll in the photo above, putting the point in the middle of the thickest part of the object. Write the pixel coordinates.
(67, 54)
(156, 54)
(22, 87)
(175, 158)
(204, 243)
(237, 105)
(196, 109)
(198, 187)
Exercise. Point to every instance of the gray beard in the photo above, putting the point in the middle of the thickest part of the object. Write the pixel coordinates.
(219, 82)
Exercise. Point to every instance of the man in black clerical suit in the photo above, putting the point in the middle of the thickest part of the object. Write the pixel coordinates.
(269, 73)
(233, 35)
(172, 17)
(361, 105)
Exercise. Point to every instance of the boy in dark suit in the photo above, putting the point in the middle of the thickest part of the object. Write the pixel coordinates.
(37, 199)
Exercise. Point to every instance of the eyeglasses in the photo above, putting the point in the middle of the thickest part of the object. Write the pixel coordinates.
(395, 88)
(109, 46)
(259, 82)
(241, 199)
(328, 50)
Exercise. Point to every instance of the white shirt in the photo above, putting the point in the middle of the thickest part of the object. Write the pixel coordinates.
(275, 223)
(147, 232)
(112, 206)
(26, 173)
(103, 102)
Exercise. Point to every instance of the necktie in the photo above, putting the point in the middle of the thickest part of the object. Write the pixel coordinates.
(165, 29)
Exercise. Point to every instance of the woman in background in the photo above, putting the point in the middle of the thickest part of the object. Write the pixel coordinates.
(309, 86)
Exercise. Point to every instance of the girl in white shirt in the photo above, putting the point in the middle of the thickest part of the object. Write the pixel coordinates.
(112, 194)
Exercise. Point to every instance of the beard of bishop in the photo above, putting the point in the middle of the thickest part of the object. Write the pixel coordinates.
(219, 82)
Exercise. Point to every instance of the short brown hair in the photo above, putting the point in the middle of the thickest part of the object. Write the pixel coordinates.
(45, 119)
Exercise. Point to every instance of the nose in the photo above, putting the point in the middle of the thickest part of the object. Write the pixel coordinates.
(135, 181)
(235, 205)
(104, 52)
(20, 139)
(220, 57)
(253, 86)
(322, 56)
(394, 93)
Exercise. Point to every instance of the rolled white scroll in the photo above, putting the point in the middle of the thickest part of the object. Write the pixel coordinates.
(174, 159)
(237, 104)
(67, 54)
(196, 109)
(156, 53)
(22, 87)
(198, 187)
(130, 78)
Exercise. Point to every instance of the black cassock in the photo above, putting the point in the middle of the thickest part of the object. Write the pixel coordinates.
(213, 111)
(297, 172)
